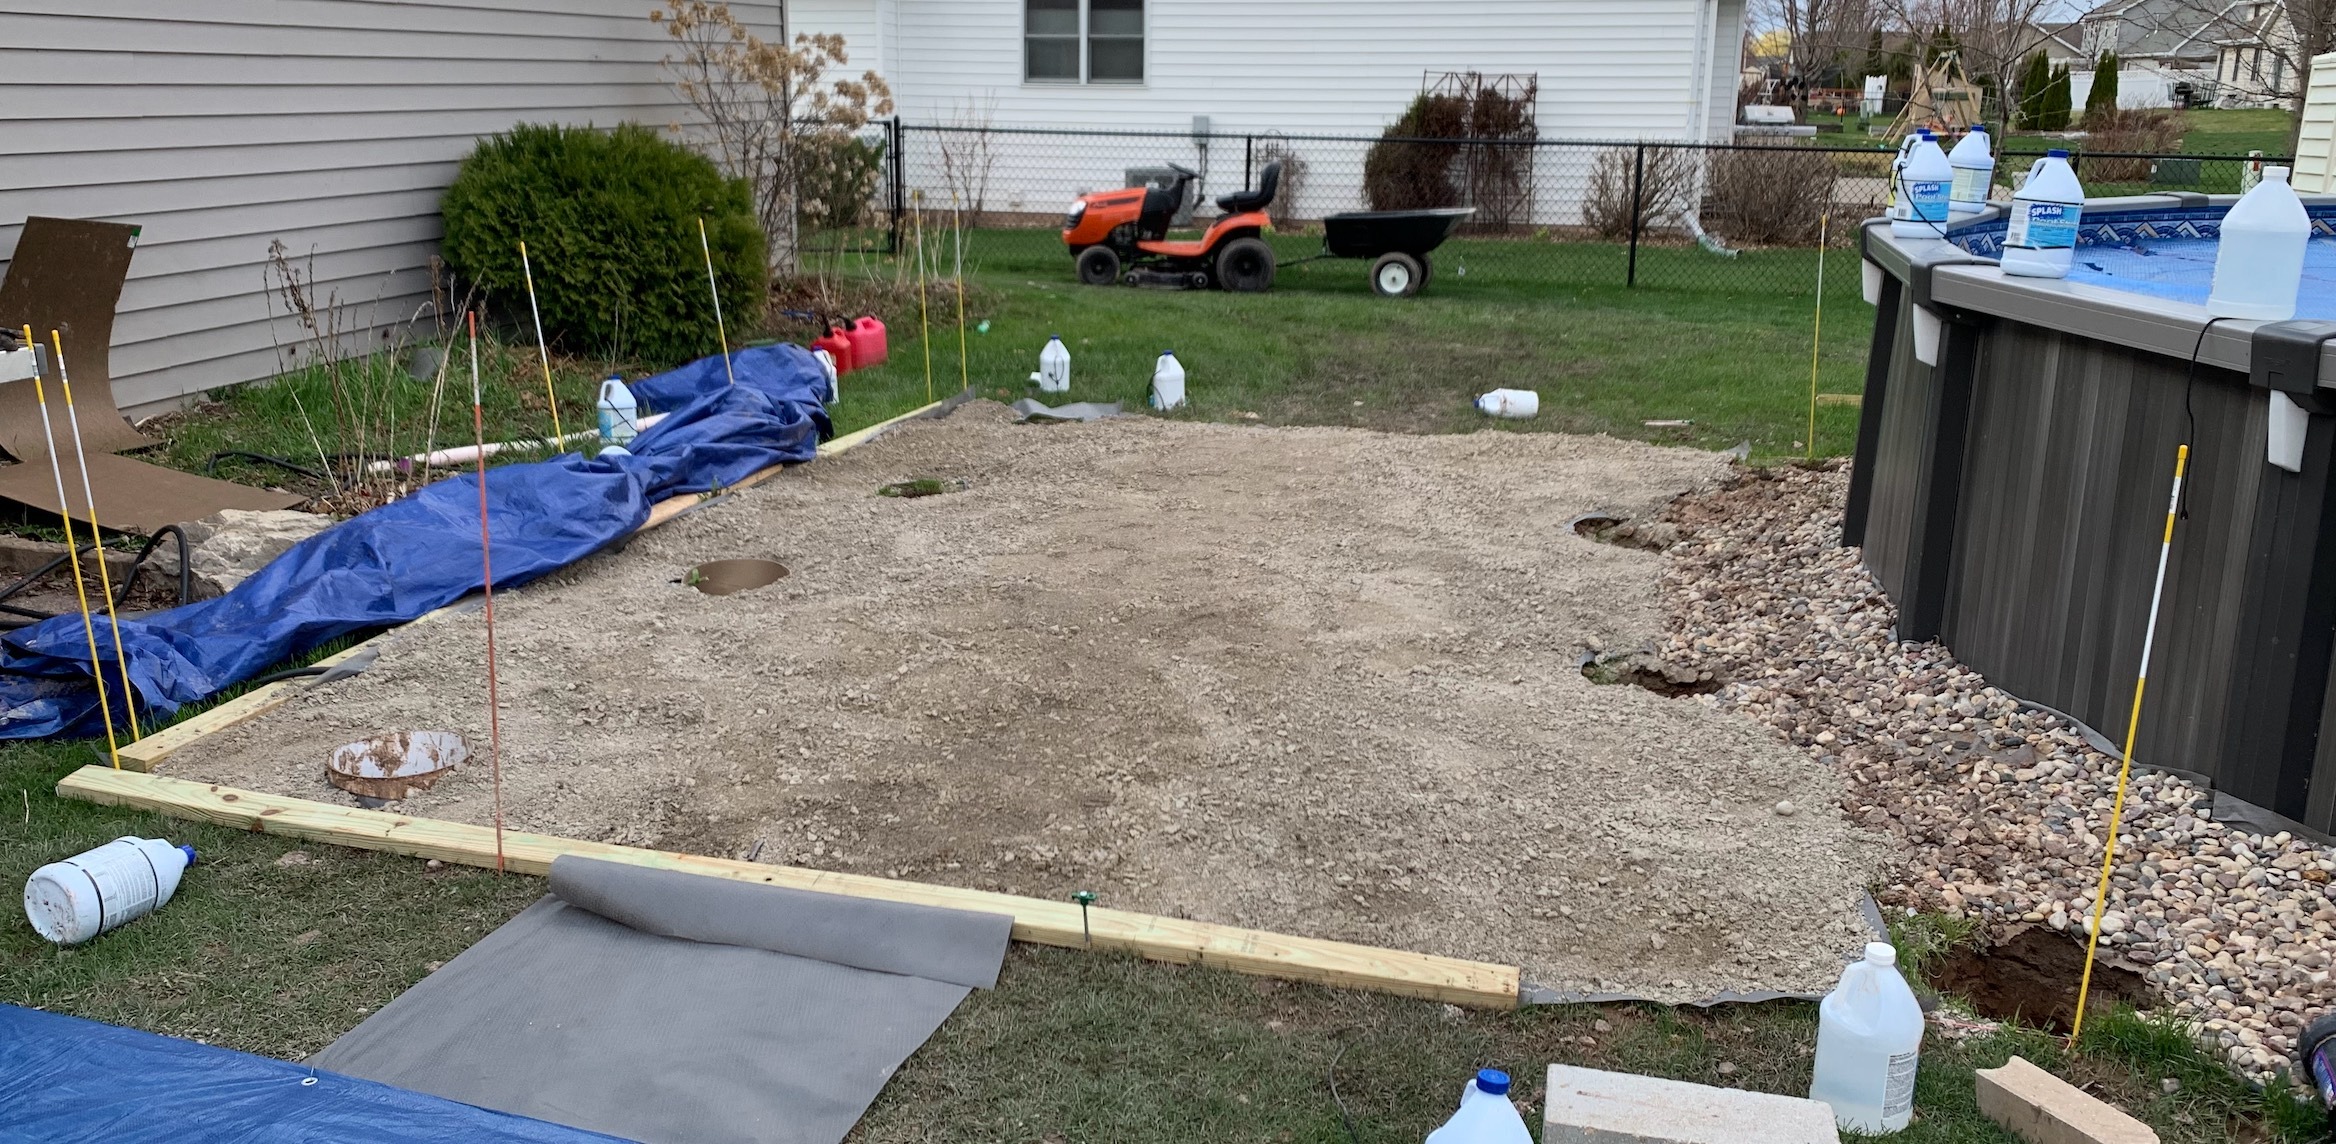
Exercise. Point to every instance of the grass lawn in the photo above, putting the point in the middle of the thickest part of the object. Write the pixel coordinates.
(2238, 131)
(278, 954)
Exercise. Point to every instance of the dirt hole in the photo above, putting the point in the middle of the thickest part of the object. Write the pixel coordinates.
(921, 487)
(2031, 974)
(1623, 533)
(1670, 682)
(722, 577)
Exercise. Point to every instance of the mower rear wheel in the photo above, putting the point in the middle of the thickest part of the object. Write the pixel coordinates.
(1245, 266)
(1397, 275)
(1099, 266)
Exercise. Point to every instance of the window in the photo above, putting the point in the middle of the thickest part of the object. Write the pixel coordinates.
(1083, 41)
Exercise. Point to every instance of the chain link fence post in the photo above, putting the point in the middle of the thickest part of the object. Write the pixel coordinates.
(1638, 176)
(899, 189)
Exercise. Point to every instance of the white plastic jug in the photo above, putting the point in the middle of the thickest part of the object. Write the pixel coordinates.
(71, 901)
(1869, 1041)
(2039, 237)
(1515, 404)
(1897, 201)
(1927, 179)
(1974, 168)
(620, 416)
(1054, 367)
(1168, 382)
(826, 360)
(2260, 264)
(1486, 1115)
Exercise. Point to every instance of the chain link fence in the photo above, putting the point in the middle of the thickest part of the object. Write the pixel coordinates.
(1743, 217)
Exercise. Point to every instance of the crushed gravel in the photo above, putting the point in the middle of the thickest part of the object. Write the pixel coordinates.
(1997, 808)
(1318, 681)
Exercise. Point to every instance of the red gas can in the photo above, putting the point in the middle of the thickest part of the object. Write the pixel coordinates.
(838, 345)
(867, 336)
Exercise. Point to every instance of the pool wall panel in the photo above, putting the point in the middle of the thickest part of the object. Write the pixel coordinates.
(2011, 500)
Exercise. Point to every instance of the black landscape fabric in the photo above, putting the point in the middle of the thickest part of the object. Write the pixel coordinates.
(669, 1007)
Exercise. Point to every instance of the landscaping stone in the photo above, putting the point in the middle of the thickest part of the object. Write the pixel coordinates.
(2041, 1108)
(1593, 1106)
(233, 543)
(1997, 808)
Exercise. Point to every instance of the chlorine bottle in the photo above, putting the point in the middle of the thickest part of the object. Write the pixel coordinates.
(2039, 235)
(2259, 266)
(1869, 1041)
(1926, 179)
(1974, 176)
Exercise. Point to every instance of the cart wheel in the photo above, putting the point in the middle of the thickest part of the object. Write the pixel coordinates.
(1098, 266)
(1245, 266)
(1427, 271)
(1397, 276)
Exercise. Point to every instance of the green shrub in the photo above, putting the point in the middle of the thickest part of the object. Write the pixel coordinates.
(2102, 99)
(610, 219)
(2056, 102)
(1417, 176)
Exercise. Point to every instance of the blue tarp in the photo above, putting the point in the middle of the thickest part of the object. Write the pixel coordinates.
(412, 556)
(65, 1080)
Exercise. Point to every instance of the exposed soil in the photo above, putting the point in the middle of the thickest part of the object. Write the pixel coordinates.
(2030, 974)
(1319, 681)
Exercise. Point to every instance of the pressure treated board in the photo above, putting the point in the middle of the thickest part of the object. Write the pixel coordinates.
(1446, 979)
(145, 753)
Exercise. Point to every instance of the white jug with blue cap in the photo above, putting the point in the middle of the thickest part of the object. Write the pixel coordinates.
(1486, 1116)
(620, 415)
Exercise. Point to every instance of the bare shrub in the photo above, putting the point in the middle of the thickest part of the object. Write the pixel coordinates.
(968, 156)
(1769, 196)
(2151, 130)
(1283, 210)
(1665, 188)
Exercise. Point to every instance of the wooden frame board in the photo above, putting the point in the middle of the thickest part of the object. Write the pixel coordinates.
(144, 754)
(1451, 980)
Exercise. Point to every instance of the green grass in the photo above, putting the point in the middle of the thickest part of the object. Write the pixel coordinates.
(2238, 131)
(1719, 342)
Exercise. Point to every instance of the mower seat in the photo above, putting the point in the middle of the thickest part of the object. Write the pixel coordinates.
(1257, 200)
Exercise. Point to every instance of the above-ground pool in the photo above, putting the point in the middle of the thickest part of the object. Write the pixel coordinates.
(2015, 453)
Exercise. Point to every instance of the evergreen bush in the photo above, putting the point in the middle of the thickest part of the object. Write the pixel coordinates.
(610, 219)
(1399, 176)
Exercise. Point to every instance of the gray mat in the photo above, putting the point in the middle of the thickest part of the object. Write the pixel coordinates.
(670, 1007)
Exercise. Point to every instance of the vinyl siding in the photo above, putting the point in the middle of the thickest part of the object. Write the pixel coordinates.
(1607, 70)
(332, 125)
(2315, 149)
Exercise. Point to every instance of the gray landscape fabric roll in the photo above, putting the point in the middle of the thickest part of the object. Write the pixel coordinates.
(669, 1007)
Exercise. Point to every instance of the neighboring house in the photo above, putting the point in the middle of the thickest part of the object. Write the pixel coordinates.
(2169, 52)
(2252, 65)
(1606, 69)
(333, 125)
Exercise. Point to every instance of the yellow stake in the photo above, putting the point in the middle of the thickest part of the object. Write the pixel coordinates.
(2125, 768)
(957, 232)
(73, 556)
(105, 579)
(924, 325)
(1817, 335)
(716, 291)
(543, 352)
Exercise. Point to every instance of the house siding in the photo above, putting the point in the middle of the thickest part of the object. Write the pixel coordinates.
(1608, 68)
(332, 125)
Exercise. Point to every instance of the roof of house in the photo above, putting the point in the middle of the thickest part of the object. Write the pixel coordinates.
(2158, 29)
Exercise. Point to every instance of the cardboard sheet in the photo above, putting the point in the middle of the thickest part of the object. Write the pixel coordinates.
(66, 275)
(132, 496)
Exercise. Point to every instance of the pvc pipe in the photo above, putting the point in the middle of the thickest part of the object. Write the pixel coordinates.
(468, 453)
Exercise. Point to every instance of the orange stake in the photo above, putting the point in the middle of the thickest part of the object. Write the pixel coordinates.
(478, 425)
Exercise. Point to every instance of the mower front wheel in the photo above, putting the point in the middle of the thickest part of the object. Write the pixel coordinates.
(1397, 275)
(1245, 266)
(1099, 266)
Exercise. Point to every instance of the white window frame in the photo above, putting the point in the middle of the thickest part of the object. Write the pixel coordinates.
(1086, 76)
